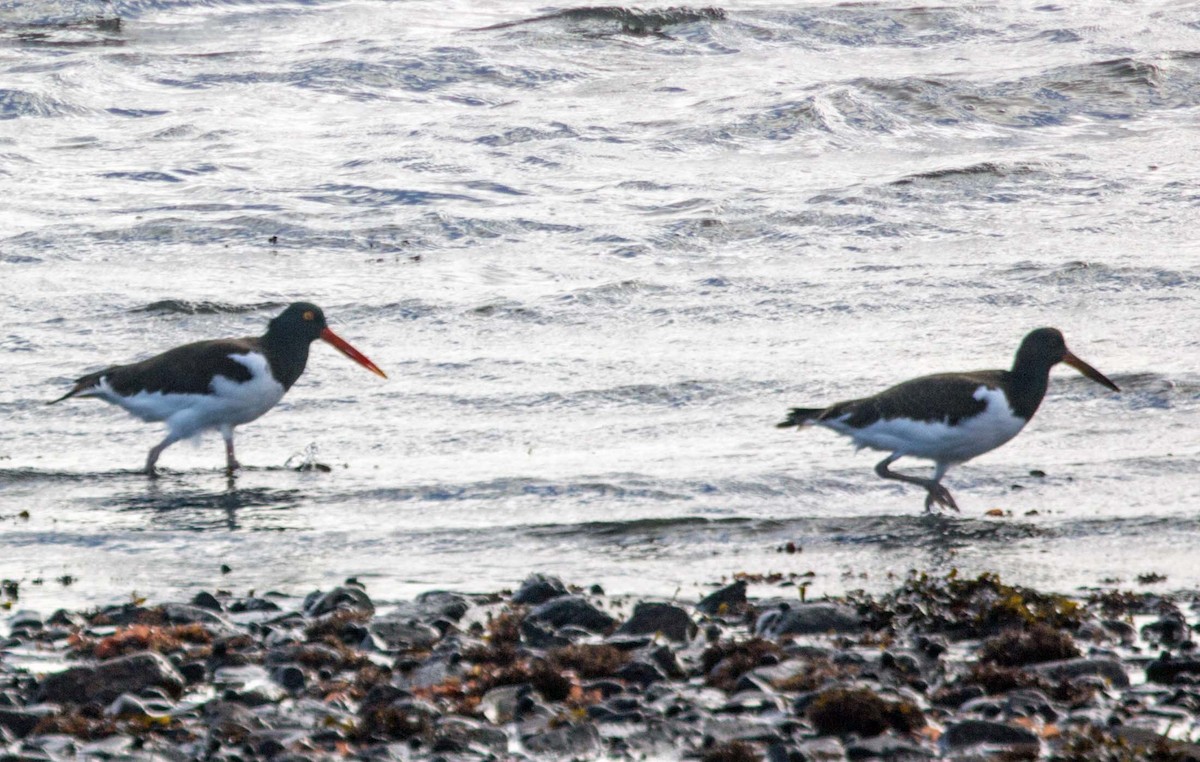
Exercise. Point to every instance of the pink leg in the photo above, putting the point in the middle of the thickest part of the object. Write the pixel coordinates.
(231, 463)
(155, 451)
(936, 493)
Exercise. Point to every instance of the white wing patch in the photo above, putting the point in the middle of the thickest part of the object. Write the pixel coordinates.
(229, 402)
(938, 440)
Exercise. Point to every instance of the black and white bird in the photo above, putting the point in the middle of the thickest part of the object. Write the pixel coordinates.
(217, 384)
(950, 418)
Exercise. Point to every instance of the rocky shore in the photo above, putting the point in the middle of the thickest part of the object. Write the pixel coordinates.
(939, 667)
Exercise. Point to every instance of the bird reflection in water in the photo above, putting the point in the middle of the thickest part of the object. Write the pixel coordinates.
(171, 507)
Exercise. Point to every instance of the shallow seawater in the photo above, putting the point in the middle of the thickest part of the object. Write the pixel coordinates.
(598, 263)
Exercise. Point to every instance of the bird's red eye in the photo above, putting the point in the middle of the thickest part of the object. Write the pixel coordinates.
(310, 315)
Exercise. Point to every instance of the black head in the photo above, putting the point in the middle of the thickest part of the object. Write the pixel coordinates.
(1044, 348)
(301, 321)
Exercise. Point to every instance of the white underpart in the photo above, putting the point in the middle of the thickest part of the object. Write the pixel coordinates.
(938, 440)
(229, 404)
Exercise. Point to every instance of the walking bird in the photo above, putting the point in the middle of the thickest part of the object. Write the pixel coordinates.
(217, 384)
(950, 418)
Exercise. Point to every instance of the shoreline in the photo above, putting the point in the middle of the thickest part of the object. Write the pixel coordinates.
(937, 667)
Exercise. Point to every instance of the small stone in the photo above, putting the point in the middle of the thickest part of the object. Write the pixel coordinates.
(193, 671)
(109, 679)
(382, 694)
(126, 706)
(664, 658)
(730, 599)
(290, 677)
(967, 733)
(1167, 630)
(27, 620)
(448, 605)
(1166, 669)
(1110, 669)
(499, 705)
(576, 741)
(471, 735)
(886, 746)
(404, 634)
(640, 672)
(206, 600)
(572, 610)
(536, 636)
(659, 618)
(539, 588)
(822, 750)
(350, 598)
(809, 619)
(20, 722)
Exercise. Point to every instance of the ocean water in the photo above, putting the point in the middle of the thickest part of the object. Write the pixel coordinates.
(599, 255)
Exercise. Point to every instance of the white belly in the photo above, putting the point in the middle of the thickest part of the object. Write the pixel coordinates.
(938, 440)
(228, 404)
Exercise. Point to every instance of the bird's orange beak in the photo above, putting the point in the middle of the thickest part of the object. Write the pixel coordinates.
(1089, 371)
(344, 347)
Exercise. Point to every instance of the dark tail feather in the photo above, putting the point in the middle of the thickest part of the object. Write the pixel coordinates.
(798, 416)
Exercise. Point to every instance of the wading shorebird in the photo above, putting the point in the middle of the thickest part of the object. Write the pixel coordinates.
(217, 384)
(950, 418)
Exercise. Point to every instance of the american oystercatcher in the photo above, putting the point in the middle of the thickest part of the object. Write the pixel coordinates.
(216, 384)
(950, 418)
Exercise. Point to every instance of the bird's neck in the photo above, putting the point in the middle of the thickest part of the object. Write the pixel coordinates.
(1028, 387)
(286, 355)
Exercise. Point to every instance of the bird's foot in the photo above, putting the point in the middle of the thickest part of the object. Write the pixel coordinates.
(939, 495)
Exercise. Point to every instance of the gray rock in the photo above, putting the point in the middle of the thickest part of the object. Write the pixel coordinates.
(1165, 670)
(448, 605)
(578, 741)
(1169, 629)
(126, 706)
(20, 722)
(109, 679)
(1123, 631)
(25, 619)
(809, 619)
(659, 618)
(641, 672)
(290, 676)
(728, 600)
(404, 633)
(113, 747)
(539, 588)
(183, 613)
(536, 636)
(471, 735)
(1110, 669)
(206, 600)
(1168, 747)
(259, 694)
(499, 705)
(349, 597)
(967, 733)
(664, 658)
(572, 610)
(433, 671)
(886, 746)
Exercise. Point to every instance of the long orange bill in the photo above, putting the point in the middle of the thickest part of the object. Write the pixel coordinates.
(344, 347)
(1089, 371)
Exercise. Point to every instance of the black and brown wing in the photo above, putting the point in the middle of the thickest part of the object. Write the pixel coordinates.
(188, 369)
